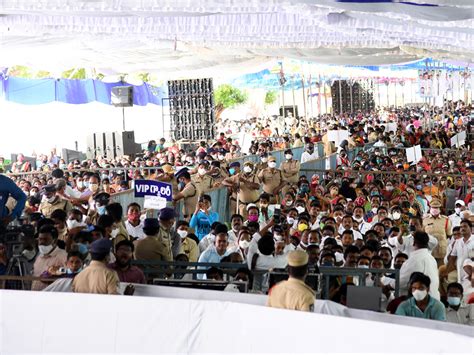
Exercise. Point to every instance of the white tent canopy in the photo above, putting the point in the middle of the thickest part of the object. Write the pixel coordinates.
(202, 37)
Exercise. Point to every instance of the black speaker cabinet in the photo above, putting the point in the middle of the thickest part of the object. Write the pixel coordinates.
(122, 96)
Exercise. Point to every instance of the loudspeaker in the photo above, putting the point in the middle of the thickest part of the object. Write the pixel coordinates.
(122, 96)
(125, 143)
(289, 109)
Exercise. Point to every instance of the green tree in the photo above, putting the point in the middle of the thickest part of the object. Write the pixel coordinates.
(227, 96)
(270, 97)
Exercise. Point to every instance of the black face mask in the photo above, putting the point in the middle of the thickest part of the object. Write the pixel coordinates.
(412, 228)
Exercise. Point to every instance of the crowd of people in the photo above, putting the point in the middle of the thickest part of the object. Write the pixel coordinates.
(375, 210)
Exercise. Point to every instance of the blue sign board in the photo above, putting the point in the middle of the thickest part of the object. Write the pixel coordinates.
(153, 188)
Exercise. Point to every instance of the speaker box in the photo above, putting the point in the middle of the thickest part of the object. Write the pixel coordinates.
(122, 96)
(289, 109)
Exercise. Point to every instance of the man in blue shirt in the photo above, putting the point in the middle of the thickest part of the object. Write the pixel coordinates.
(9, 189)
(421, 304)
(203, 217)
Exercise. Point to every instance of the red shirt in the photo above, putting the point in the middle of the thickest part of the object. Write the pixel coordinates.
(132, 275)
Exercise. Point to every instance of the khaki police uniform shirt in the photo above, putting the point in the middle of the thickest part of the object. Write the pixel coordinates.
(151, 248)
(438, 227)
(246, 194)
(96, 278)
(190, 248)
(47, 208)
(291, 294)
(290, 170)
(203, 183)
(191, 195)
(271, 179)
(122, 235)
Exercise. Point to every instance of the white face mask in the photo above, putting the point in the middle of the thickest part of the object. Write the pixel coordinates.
(457, 210)
(80, 184)
(358, 219)
(288, 203)
(182, 233)
(288, 156)
(114, 233)
(51, 199)
(290, 220)
(244, 244)
(45, 249)
(247, 169)
(272, 164)
(202, 171)
(72, 223)
(277, 237)
(374, 210)
(363, 266)
(300, 209)
(396, 215)
(220, 157)
(419, 295)
(264, 160)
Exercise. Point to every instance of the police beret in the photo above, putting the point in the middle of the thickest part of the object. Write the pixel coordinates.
(151, 223)
(271, 158)
(102, 197)
(234, 164)
(167, 213)
(50, 188)
(101, 246)
(181, 172)
(435, 203)
(297, 258)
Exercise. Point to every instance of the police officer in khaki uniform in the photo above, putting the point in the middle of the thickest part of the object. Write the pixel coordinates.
(217, 174)
(152, 247)
(291, 170)
(202, 179)
(234, 169)
(247, 186)
(439, 226)
(168, 176)
(97, 277)
(272, 180)
(188, 192)
(293, 293)
(263, 164)
(53, 202)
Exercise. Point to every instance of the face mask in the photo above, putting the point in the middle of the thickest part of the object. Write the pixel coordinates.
(339, 256)
(419, 295)
(28, 254)
(288, 203)
(114, 233)
(231, 171)
(100, 210)
(70, 272)
(328, 263)
(389, 188)
(86, 184)
(80, 184)
(277, 237)
(253, 218)
(454, 301)
(264, 160)
(374, 210)
(181, 185)
(272, 165)
(82, 248)
(396, 215)
(302, 227)
(182, 233)
(304, 188)
(72, 223)
(202, 171)
(288, 156)
(300, 209)
(457, 210)
(45, 249)
(290, 220)
(220, 157)
(244, 244)
(363, 266)
(247, 169)
(434, 211)
(93, 187)
(358, 219)
(51, 199)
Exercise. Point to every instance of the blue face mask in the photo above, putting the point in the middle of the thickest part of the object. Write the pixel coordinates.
(231, 171)
(454, 301)
(82, 248)
(328, 264)
(181, 185)
(101, 210)
(70, 272)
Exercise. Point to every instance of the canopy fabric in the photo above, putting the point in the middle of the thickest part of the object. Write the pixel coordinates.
(42, 91)
(201, 37)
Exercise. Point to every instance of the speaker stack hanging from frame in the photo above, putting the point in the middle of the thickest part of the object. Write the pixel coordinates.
(191, 104)
(352, 96)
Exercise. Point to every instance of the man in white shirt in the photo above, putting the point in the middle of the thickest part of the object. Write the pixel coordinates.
(134, 222)
(420, 260)
(404, 244)
(461, 248)
(309, 153)
(457, 216)
(347, 223)
(456, 311)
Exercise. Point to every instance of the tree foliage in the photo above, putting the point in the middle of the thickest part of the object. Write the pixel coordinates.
(270, 97)
(227, 96)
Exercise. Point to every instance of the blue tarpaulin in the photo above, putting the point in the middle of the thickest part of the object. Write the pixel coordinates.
(73, 91)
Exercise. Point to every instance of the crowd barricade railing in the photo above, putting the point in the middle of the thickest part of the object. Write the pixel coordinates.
(213, 285)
